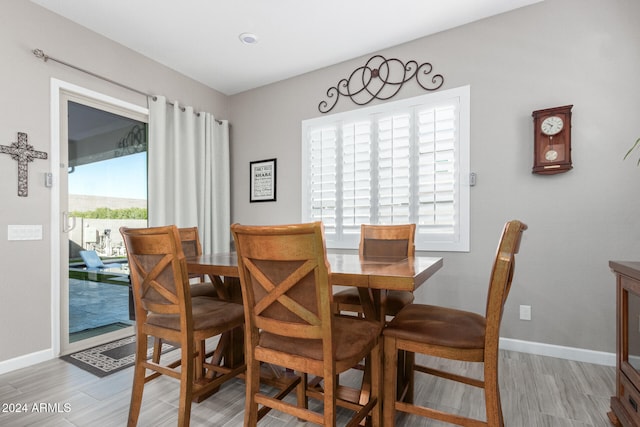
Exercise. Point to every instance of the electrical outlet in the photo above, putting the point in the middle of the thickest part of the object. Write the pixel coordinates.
(525, 312)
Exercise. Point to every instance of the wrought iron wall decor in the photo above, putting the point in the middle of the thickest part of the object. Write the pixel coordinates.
(381, 78)
(23, 153)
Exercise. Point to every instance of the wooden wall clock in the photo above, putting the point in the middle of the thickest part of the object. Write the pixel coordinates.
(552, 140)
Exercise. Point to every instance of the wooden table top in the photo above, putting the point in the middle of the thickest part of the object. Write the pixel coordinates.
(346, 269)
(219, 264)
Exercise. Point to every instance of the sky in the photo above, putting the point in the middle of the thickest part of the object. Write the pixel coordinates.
(124, 177)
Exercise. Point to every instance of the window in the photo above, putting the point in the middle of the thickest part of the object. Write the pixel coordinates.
(398, 162)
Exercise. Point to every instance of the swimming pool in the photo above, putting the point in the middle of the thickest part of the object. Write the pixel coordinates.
(116, 272)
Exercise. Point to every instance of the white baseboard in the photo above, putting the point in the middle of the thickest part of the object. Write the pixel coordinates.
(25, 361)
(551, 350)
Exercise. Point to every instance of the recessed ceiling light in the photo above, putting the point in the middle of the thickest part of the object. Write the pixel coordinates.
(248, 38)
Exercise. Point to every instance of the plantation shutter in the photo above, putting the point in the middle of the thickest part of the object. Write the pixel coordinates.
(387, 168)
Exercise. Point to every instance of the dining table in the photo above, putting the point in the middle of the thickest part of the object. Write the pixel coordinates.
(373, 276)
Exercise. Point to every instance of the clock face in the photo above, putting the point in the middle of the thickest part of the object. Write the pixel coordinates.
(551, 125)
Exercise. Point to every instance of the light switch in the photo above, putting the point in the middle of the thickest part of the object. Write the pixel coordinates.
(24, 232)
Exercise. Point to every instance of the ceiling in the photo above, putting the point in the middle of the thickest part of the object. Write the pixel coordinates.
(200, 38)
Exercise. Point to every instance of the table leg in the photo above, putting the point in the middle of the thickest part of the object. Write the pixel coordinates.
(221, 288)
(371, 302)
(230, 349)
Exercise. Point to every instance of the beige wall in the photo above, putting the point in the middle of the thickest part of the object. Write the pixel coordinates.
(558, 52)
(25, 277)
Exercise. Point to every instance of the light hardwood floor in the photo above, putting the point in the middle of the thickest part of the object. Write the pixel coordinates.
(536, 391)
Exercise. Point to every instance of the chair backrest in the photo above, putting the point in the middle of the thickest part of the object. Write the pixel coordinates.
(190, 241)
(501, 278)
(387, 240)
(158, 271)
(284, 274)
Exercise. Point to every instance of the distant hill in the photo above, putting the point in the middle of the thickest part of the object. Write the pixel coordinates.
(83, 203)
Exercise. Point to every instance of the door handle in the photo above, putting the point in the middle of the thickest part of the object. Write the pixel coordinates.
(68, 222)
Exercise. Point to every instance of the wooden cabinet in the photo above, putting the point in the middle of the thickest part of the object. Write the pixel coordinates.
(625, 404)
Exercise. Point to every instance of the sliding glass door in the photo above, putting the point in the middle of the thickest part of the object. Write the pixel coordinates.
(103, 187)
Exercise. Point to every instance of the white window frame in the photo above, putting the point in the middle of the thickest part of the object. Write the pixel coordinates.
(457, 241)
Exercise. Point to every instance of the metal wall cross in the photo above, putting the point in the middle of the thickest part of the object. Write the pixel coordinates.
(23, 153)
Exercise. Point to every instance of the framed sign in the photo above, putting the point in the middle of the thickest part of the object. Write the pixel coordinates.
(262, 181)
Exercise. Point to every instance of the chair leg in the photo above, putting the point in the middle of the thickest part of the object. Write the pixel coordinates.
(301, 391)
(492, 397)
(409, 376)
(376, 384)
(402, 373)
(157, 350)
(186, 385)
(367, 384)
(330, 400)
(138, 381)
(252, 387)
(390, 382)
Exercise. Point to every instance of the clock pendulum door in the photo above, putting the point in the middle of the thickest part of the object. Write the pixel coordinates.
(553, 152)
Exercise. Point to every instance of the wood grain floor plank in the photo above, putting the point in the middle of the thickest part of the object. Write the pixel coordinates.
(537, 391)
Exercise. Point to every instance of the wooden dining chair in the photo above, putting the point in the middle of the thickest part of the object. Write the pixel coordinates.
(284, 276)
(457, 335)
(381, 241)
(191, 246)
(190, 241)
(166, 311)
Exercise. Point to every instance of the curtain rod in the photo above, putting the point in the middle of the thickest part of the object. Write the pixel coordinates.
(39, 53)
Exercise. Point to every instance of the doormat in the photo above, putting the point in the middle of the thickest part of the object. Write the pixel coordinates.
(105, 359)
